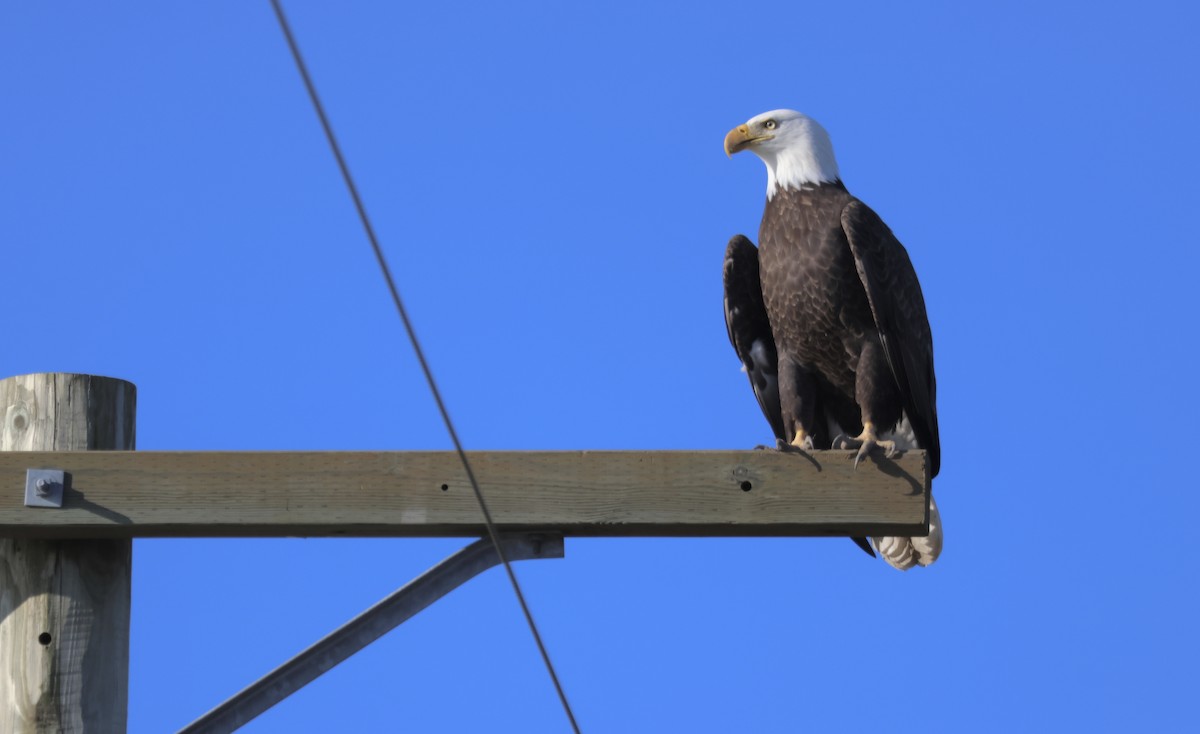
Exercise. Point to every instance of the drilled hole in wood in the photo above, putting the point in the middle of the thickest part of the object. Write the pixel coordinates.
(44, 638)
(747, 486)
(445, 487)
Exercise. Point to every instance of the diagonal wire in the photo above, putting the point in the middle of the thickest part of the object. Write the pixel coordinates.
(416, 345)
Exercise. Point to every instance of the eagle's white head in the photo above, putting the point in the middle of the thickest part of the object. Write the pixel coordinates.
(796, 149)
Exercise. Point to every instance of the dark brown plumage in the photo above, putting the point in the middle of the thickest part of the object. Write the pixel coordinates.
(848, 318)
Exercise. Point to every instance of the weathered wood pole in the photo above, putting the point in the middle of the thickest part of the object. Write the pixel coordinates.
(64, 604)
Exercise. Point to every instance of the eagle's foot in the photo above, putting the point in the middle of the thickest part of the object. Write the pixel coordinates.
(863, 442)
(801, 444)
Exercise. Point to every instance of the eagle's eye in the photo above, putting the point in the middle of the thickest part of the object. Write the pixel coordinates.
(770, 124)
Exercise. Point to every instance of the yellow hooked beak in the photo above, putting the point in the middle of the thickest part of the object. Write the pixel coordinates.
(740, 138)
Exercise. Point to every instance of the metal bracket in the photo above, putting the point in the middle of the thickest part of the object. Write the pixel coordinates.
(44, 487)
(369, 626)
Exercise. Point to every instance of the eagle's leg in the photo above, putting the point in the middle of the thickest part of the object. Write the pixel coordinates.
(877, 397)
(798, 402)
(863, 442)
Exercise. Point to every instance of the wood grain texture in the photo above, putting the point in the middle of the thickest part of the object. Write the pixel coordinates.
(581, 493)
(64, 604)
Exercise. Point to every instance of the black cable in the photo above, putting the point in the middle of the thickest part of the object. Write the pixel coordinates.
(416, 345)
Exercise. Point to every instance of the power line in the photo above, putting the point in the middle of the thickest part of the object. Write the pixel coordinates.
(416, 345)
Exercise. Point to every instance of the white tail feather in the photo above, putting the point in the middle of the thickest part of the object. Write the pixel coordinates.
(904, 553)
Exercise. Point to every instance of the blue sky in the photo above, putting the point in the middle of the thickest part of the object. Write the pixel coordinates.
(548, 182)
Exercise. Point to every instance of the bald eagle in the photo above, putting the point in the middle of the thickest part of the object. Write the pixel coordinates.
(827, 316)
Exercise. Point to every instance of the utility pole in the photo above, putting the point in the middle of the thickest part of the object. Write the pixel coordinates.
(64, 604)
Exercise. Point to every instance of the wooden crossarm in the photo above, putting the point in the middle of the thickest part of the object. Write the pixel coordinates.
(116, 494)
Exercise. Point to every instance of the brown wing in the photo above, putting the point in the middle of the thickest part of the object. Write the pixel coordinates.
(899, 310)
(750, 329)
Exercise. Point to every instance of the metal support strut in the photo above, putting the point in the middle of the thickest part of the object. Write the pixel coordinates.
(370, 626)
